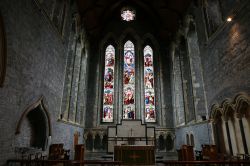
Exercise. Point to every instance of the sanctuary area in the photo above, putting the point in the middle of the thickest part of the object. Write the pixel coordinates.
(122, 82)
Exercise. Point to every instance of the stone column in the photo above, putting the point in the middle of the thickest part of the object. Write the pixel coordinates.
(228, 135)
(178, 103)
(243, 137)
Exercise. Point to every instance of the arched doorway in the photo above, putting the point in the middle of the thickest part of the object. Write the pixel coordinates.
(34, 128)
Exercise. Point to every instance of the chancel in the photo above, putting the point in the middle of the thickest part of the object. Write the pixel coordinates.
(124, 82)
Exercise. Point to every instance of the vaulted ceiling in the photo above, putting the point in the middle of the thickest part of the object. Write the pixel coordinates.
(164, 15)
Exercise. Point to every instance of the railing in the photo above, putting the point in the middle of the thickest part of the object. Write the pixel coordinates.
(205, 163)
(20, 162)
(131, 140)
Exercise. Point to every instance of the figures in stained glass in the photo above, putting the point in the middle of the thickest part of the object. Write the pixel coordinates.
(108, 93)
(128, 96)
(108, 85)
(149, 97)
(149, 85)
(129, 84)
(129, 81)
(148, 61)
(129, 112)
(109, 74)
(129, 75)
(150, 114)
(107, 113)
(108, 97)
(149, 78)
(110, 59)
(129, 59)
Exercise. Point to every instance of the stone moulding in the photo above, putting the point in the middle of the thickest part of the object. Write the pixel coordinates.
(3, 51)
(38, 103)
(230, 105)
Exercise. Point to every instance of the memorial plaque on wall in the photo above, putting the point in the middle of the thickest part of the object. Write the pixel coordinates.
(2, 52)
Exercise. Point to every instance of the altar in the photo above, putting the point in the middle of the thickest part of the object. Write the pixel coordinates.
(135, 155)
(130, 132)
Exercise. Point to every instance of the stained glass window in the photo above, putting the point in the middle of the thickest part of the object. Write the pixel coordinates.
(128, 15)
(129, 81)
(150, 115)
(108, 94)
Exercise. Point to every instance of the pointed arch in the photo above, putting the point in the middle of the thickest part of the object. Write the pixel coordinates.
(225, 115)
(216, 112)
(39, 103)
(228, 108)
(38, 128)
(108, 92)
(109, 39)
(129, 81)
(129, 34)
(149, 84)
(242, 101)
(149, 39)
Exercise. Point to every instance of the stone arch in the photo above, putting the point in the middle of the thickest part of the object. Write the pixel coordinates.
(227, 108)
(130, 34)
(242, 104)
(192, 139)
(97, 141)
(169, 141)
(149, 37)
(218, 127)
(161, 142)
(89, 141)
(187, 139)
(105, 141)
(229, 113)
(234, 126)
(109, 38)
(216, 112)
(38, 123)
(188, 92)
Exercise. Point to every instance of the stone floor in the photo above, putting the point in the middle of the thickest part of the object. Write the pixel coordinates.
(104, 156)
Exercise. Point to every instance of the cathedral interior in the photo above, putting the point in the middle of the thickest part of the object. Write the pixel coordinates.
(86, 71)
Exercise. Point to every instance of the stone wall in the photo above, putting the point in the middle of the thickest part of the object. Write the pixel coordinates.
(200, 131)
(225, 59)
(36, 59)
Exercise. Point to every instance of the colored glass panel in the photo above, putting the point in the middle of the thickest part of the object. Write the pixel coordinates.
(127, 15)
(108, 93)
(150, 114)
(129, 81)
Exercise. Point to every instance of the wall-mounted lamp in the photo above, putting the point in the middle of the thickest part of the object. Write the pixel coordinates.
(229, 19)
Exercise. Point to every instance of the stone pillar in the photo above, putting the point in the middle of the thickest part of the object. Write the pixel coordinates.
(215, 135)
(200, 104)
(228, 135)
(243, 137)
(68, 85)
(177, 92)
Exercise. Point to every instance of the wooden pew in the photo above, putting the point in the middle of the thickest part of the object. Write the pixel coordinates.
(209, 152)
(186, 153)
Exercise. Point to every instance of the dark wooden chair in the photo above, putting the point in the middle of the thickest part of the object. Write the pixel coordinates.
(56, 152)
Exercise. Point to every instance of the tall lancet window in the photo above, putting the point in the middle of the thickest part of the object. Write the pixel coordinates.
(129, 81)
(150, 115)
(108, 95)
